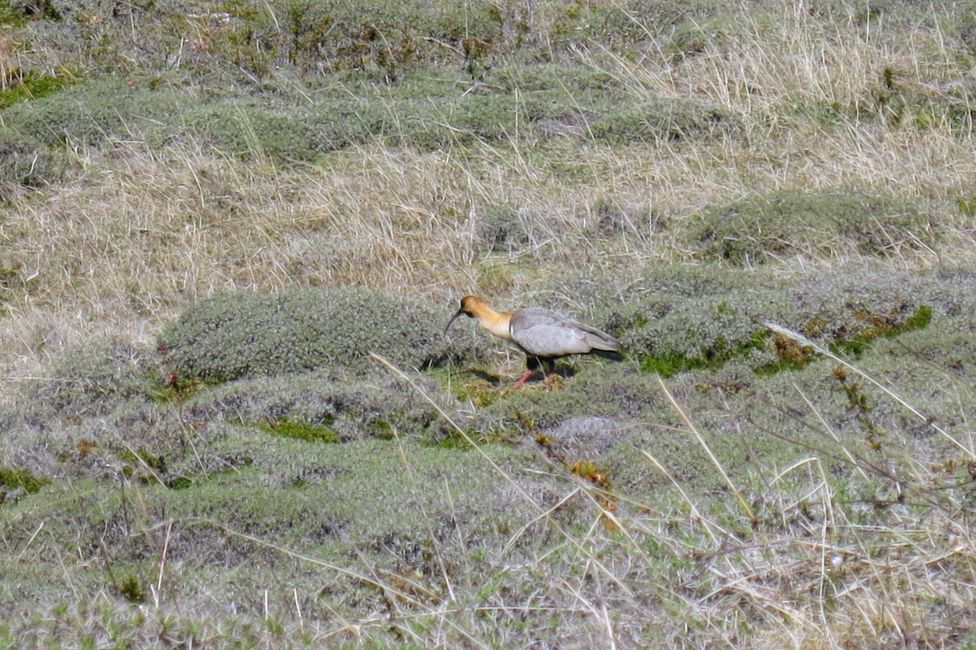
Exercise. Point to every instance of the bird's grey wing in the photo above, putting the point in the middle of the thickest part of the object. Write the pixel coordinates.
(594, 339)
(548, 334)
(598, 339)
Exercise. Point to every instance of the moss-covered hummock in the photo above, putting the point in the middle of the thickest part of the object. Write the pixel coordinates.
(25, 161)
(235, 335)
(34, 85)
(95, 377)
(761, 228)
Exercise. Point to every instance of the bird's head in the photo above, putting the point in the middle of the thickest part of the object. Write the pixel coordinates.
(471, 306)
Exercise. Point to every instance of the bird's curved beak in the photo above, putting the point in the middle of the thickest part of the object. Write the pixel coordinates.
(453, 318)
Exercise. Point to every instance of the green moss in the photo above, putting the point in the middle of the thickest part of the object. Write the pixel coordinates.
(382, 429)
(131, 588)
(882, 326)
(450, 438)
(138, 457)
(300, 430)
(919, 319)
(93, 111)
(672, 364)
(21, 477)
(9, 16)
(34, 85)
(718, 354)
(180, 483)
(174, 389)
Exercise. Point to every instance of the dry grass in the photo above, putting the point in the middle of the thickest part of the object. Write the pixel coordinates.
(9, 64)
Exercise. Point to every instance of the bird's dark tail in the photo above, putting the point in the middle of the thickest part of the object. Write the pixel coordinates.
(613, 355)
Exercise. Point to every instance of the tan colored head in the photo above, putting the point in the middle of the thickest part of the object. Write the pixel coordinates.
(471, 306)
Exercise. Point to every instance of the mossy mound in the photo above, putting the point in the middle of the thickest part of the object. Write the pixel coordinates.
(426, 109)
(349, 406)
(359, 493)
(96, 377)
(424, 512)
(93, 111)
(849, 307)
(603, 389)
(660, 118)
(25, 162)
(827, 224)
(236, 335)
(246, 129)
(678, 318)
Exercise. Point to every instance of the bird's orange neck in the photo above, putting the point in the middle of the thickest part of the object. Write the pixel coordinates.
(495, 322)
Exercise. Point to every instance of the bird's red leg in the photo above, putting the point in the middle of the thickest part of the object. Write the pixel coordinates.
(525, 376)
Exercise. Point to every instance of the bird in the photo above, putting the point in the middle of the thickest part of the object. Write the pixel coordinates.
(543, 335)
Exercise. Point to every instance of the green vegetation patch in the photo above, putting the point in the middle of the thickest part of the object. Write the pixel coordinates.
(659, 118)
(718, 352)
(34, 85)
(882, 325)
(381, 37)
(93, 111)
(675, 319)
(9, 15)
(814, 224)
(12, 478)
(245, 334)
(307, 431)
(347, 405)
(701, 321)
(25, 162)
(427, 109)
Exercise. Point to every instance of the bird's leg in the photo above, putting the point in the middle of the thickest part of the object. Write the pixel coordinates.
(525, 376)
(552, 368)
(553, 380)
(531, 363)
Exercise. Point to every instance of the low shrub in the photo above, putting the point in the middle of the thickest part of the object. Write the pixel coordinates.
(659, 118)
(25, 162)
(95, 377)
(235, 335)
(757, 229)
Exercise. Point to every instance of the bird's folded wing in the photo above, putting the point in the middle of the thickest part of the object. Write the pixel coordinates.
(546, 333)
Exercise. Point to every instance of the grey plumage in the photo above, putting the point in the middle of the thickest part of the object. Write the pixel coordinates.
(544, 333)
